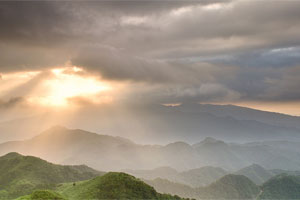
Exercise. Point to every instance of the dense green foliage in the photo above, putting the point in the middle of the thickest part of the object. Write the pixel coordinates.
(42, 195)
(20, 175)
(230, 187)
(281, 187)
(112, 185)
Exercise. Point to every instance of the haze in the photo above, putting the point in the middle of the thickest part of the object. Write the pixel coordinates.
(113, 67)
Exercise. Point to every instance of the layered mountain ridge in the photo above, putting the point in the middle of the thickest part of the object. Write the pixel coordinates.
(103, 152)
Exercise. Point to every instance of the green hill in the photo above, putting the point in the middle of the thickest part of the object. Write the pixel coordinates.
(20, 175)
(230, 187)
(281, 187)
(256, 173)
(112, 185)
(42, 195)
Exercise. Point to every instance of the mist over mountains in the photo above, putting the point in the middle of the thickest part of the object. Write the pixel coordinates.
(159, 124)
(38, 179)
(102, 152)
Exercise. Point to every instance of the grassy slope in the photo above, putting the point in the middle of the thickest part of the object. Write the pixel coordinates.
(42, 195)
(112, 185)
(21, 175)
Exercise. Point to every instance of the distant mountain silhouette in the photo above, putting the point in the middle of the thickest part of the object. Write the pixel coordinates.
(227, 187)
(189, 122)
(193, 178)
(102, 152)
(256, 173)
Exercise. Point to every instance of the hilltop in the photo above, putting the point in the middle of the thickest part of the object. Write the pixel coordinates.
(112, 185)
(21, 175)
(281, 187)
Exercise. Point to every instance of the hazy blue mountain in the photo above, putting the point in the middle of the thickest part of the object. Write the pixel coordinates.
(67, 146)
(256, 173)
(281, 187)
(244, 113)
(218, 153)
(160, 172)
(169, 187)
(190, 122)
(162, 124)
(202, 176)
(61, 145)
(193, 178)
(228, 187)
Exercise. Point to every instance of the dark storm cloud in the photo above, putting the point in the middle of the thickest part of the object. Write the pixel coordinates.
(184, 50)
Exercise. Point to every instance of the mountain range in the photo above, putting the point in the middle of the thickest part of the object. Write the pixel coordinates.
(206, 175)
(28, 178)
(103, 152)
(231, 186)
(193, 178)
(159, 124)
(38, 179)
(227, 187)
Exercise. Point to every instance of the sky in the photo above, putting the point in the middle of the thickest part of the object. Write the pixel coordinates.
(60, 55)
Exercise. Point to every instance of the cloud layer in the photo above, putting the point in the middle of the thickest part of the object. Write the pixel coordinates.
(201, 51)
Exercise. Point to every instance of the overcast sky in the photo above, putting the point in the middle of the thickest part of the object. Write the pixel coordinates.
(239, 51)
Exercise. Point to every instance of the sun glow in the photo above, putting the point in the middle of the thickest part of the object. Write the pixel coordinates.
(65, 84)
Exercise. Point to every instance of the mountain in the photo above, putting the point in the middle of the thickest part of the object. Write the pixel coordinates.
(153, 124)
(202, 176)
(66, 146)
(233, 156)
(281, 187)
(193, 122)
(42, 195)
(112, 185)
(160, 172)
(218, 153)
(61, 145)
(108, 153)
(169, 187)
(193, 178)
(244, 113)
(256, 173)
(281, 171)
(22, 174)
(230, 187)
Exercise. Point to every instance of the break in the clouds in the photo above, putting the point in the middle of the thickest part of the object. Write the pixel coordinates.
(166, 52)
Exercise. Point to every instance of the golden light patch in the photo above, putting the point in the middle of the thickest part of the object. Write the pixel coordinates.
(65, 84)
